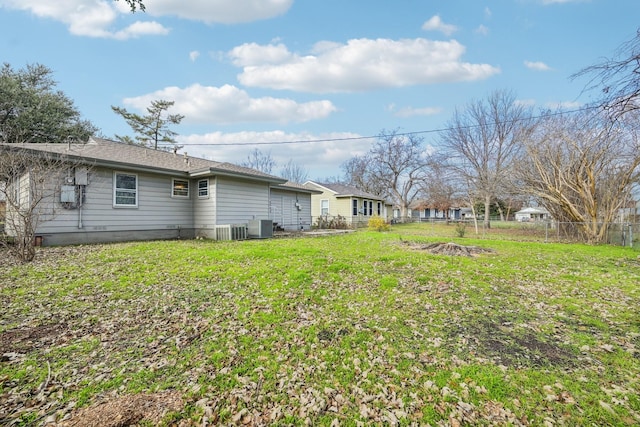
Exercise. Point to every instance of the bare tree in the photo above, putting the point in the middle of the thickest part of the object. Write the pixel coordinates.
(259, 161)
(582, 168)
(442, 190)
(294, 172)
(482, 142)
(360, 173)
(393, 168)
(618, 78)
(153, 128)
(30, 184)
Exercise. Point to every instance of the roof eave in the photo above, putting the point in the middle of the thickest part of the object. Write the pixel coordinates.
(139, 168)
(223, 172)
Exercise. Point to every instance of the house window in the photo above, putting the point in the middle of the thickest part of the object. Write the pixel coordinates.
(125, 189)
(364, 207)
(180, 188)
(203, 188)
(379, 208)
(370, 208)
(324, 207)
(355, 207)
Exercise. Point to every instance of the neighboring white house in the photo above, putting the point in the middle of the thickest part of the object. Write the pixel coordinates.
(532, 214)
(130, 192)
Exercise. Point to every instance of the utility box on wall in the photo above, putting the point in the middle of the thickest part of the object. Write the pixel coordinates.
(82, 176)
(67, 194)
(260, 229)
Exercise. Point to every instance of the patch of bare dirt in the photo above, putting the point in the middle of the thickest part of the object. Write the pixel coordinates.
(513, 348)
(25, 339)
(450, 249)
(125, 411)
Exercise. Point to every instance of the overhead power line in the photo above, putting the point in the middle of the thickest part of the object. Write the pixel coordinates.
(359, 138)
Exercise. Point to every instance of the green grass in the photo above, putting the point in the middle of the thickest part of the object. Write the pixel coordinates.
(358, 327)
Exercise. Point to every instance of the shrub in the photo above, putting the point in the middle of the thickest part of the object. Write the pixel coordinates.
(334, 223)
(461, 228)
(378, 224)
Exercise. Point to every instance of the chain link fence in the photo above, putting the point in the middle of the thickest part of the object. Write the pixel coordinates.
(618, 233)
(621, 234)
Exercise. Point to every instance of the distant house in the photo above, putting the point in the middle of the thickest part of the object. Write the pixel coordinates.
(532, 214)
(424, 211)
(629, 212)
(128, 192)
(354, 206)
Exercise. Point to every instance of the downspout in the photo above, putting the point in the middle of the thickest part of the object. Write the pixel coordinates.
(80, 197)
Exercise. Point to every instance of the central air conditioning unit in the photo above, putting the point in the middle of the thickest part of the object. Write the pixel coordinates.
(260, 229)
(231, 232)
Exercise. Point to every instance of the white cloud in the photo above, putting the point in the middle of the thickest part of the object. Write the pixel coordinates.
(482, 30)
(435, 24)
(526, 102)
(138, 29)
(322, 155)
(193, 55)
(413, 112)
(96, 18)
(219, 11)
(358, 65)
(563, 105)
(250, 54)
(91, 18)
(229, 104)
(537, 66)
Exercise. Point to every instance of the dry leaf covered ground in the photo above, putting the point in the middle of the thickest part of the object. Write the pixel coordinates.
(356, 329)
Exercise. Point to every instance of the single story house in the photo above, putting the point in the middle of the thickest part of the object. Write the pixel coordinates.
(116, 192)
(532, 214)
(347, 203)
(424, 211)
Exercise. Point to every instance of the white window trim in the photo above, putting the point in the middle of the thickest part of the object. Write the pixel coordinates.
(205, 196)
(173, 187)
(115, 189)
(327, 212)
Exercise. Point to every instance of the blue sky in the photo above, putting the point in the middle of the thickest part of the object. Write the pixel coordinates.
(249, 72)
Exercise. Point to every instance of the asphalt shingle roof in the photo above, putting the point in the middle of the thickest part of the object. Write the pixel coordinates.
(343, 190)
(136, 156)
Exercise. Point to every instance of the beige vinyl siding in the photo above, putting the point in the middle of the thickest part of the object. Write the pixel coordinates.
(337, 205)
(342, 207)
(316, 204)
(156, 208)
(239, 201)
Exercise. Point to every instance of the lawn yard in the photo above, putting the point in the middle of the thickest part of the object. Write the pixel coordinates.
(353, 329)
